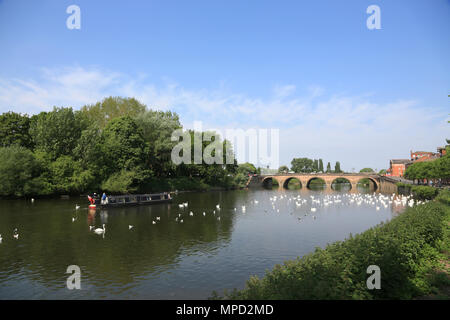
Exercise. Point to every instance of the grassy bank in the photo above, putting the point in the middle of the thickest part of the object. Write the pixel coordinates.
(410, 251)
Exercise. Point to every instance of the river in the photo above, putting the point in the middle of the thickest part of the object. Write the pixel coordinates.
(167, 258)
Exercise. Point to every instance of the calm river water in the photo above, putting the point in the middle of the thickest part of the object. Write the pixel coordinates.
(169, 259)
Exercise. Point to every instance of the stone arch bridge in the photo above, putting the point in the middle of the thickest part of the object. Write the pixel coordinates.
(380, 182)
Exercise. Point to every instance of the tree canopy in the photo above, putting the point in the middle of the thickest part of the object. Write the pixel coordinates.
(116, 145)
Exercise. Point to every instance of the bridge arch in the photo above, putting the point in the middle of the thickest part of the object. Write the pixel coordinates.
(316, 181)
(341, 181)
(286, 182)
(269, 182)
(373, 182)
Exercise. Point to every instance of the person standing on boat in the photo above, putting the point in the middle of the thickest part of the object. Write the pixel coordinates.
(104, 198)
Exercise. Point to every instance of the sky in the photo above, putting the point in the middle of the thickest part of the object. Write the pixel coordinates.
(333, 88)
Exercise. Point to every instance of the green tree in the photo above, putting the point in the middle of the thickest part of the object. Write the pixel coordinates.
(283, 169)
(328, 167)
(88, 150)
(383, 171)
(56, 132)
(316, 165)
(320, 165)
(111, 108)
(14, 130)
(337, 167)
(157, 128)
(369, 170)
(302, 165)
(123, 145)
(126, 181)
(246, 168)
(19, 172)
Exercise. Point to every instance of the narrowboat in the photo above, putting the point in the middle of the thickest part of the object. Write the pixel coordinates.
(131, 200)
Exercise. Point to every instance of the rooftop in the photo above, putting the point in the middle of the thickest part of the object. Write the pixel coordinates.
(400, 161)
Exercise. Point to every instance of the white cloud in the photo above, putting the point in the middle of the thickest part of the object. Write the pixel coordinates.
(355, 130)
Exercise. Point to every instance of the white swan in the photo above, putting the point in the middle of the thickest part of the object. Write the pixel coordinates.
(73, 219)
(130, 227)
(153, 222)
(158, 218)
(77, 207)
(90, 228)
(100, 230)
(1, 239)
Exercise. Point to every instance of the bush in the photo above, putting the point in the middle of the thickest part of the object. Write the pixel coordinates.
(125, 181)
(181, 183)
(444, 197)
(405, 249)
(424, 192)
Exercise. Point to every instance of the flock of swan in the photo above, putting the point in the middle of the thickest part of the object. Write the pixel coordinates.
(300, 204)
(312, 204)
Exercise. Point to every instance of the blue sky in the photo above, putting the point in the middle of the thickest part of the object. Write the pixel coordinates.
(335, 89)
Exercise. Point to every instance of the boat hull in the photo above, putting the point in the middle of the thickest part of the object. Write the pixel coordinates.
(134, 200)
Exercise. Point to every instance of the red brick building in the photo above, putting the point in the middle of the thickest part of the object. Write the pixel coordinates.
(419, 156)
(397, 167)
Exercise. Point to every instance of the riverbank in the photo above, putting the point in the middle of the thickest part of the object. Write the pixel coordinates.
(411, 250)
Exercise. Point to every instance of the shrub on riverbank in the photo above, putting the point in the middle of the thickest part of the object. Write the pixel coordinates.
(444, 197)
(424, 192)
(419, 192)
(406, 249)
(180, 184)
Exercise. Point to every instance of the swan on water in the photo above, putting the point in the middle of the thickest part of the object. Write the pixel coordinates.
(100, 230)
